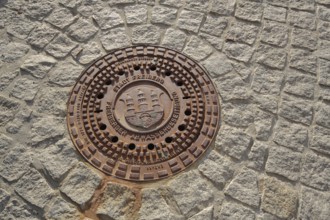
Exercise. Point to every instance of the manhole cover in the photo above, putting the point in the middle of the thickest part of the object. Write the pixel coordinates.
(143, 113)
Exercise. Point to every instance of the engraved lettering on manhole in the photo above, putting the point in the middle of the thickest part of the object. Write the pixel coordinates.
(143, 113)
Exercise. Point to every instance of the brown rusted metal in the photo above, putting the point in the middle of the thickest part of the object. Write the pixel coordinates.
(143, 113)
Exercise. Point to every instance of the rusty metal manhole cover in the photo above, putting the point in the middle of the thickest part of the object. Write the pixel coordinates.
(143, 113)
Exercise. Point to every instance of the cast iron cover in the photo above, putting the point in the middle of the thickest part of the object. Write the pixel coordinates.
(143, 113)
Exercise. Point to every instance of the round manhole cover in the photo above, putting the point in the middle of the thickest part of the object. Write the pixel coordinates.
(143, 113)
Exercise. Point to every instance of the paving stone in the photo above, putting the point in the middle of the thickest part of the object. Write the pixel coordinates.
(147, 2)
(299, 84)
(80, 185)
(21, 117)
(72, 4)
(267, 102)
(271, 56)
(153, 204)
(87, 53)
(59, 209)
(15, 163)
(214, 67)
(216, 42)
(267, 81)
(234, 142)
(137, 14)
(275, 33)
(279, 199)
(291, 135)
(89, 8)
(191, 192)
(275, 13)
(304, 38)
(26, 187)
(107, 18)
(322, 115)
(324, 49)
(197, 5)
(146, 34)
(25, 89)
(8, 109)
(61, 18)
(238, 114)
(244, 188)
(247, 10)
(20, 27)
(46, 128)
(245, 71)
(303, 60)
(115, 38)
(324, 93)
(323, 12)
(320, 140)
(174, 39)
(283, 162)
(296, 110)
(232, 87)
(307, 5)
(302, 19)
(282, 3)
(238, 51)
(60, 46)
(18, 210)
(217, 168)
(6, 79)
(242, 32)
(263, 123)
(41, 36)
(214, 25)
(257, 156)
(223, 7)
(59, 75)
(232, 210)
(324, 69)
(326, 2)
(84, 29)
(5, 145)
(38, 65)
(173, 3)
(324, 30)
(117, 202)
(206, 214)
(315, 171)
(314, 204)
(38, 10)
(197, 48)
(190, 20)
(163, 15)
(4, 198)
(12, 51)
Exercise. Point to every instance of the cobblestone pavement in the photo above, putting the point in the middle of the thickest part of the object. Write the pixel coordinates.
(270, 60)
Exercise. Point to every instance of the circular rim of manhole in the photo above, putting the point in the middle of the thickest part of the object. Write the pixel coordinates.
(143, 113)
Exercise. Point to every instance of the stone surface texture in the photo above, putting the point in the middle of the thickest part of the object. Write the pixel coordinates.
(269, 59)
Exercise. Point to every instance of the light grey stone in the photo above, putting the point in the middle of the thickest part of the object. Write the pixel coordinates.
(7, 78)
(232, 210)
(46, 128)
(214, 25)
(245, 71)
(314, 205)
(244, 188)
(191, 192)
(217, 168)
(299, 84)
(302, 19)
(247, 10)
(223, 7)
(41, 36)
(174, 39)
(321, 140)
(25, 89)
(173, 3)
(89, 8)
(324, 70)
(271, 56)
(240, 31)
(197, 5)
(115, 38)
(296, 110)
(137, 14)
(238, 51)
(61, 18)
(59, 209)
(153, 204)
(147, 2)
(267, 81)
(324, 13)
(21, 117)
(87, 53)
(114, 2)
(82, 30)
(216, 42)
(263, 124)
(282, 3)
(146, 34)
(324, 49)
(326, 2)
(267, 102)
(20, 27)
(60, 46)
(275, 13)
(197, 48)
(283, 162)
(72, 4)
(18, 210)
(306, 5)
(217, 64)
(291, 135)
(117, 202)
(163, 15)
(38, 65)
(60, 76)
(190, 20)
(206, 214)
(34, 188)
(238, 114)
(279, 199)
(303, 60)
(12, 51)
(80, 184)
(107, 18)
(275, 33)
(233, 142)
(257, 156)
(315, 171)
(322, 115)
(324, 93)
(4, 198)
(5, 145)
(304, 38)
(38, 10)
(8, 109)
